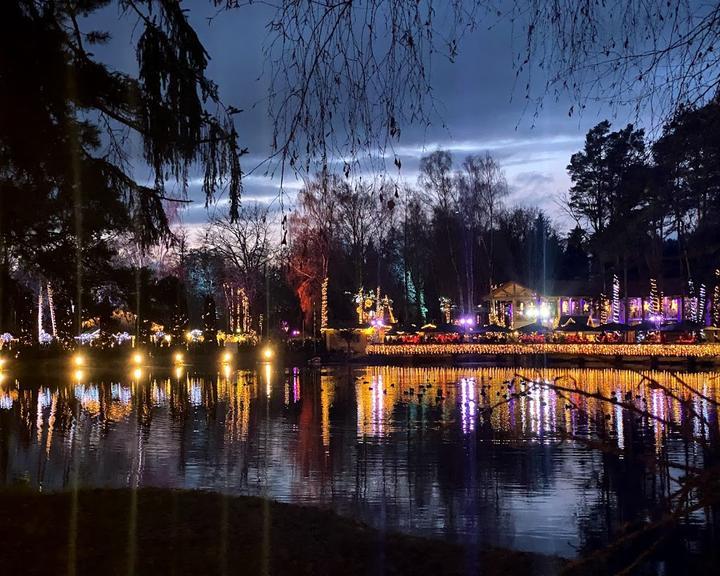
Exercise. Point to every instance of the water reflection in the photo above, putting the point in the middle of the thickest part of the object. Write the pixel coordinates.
(482, 455)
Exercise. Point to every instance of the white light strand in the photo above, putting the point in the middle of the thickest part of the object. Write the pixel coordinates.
(693, 315)
(716, 301)
(616, 299)
(51, 304)
(245, 310)
(654, 297)
(324, 304)
(40, 313)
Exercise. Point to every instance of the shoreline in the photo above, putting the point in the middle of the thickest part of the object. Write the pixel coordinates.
(159, 531)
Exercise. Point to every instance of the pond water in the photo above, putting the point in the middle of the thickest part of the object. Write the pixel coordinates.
(410, 449)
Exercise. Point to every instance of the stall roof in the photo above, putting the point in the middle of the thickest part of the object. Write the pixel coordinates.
(575, 323)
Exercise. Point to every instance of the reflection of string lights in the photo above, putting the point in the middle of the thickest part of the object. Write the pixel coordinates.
(590, 349)
(268, 380)
(536, 411)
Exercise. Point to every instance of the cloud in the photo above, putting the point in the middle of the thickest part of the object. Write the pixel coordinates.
(477, 107)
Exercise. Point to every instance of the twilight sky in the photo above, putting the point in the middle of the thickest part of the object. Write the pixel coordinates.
(480, 110)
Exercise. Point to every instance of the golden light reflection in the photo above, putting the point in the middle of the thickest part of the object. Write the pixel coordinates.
(327, 393)
(268, 379)
(542, 403)
(179, 371)
(178, 358)
(237, 422)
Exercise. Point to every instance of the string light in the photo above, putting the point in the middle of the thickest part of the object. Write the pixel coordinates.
(589, 349)
(716, 300)
(603, 309)
(40, 315)
(324, 304)
(616, 299)
(245, 310)
(654, 297)
(51, 305)
(445, 307)
(693, 301)
(701, 305)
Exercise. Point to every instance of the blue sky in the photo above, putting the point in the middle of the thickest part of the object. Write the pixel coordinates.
(479, 108)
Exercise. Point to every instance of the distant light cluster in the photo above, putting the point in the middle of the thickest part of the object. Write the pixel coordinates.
(688, 350)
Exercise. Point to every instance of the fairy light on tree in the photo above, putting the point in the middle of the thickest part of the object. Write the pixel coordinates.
(716, 301)
(603, 309)
(445, 308)
(246, 319)
(701, 305)
(324, 304)
(51, 305)
(44, 337)
(654, 298)
(693, 308)
(616, 299)
(40, 314)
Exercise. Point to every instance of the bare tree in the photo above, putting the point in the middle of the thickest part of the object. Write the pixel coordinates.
(245, 245)
(313, 231)
(481, 187)
(346, 76)
(652, 55)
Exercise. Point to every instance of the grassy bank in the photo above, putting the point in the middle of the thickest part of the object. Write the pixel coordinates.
(153, 531)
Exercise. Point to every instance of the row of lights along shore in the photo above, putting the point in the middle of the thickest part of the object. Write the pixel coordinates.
(79, 362)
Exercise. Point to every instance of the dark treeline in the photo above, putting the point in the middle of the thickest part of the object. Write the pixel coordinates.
(642, 209)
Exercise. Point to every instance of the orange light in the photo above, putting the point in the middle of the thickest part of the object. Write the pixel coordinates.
(589, 349)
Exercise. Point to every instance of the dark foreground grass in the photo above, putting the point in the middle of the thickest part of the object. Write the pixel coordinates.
(153, 531)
